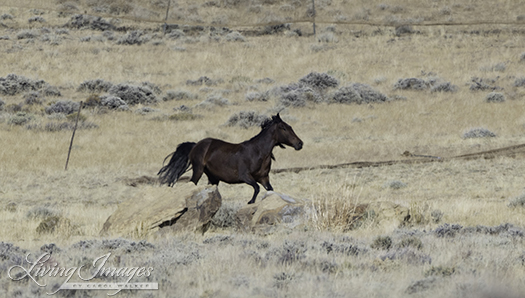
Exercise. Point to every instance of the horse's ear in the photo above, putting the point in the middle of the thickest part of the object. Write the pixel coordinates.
(277, 117)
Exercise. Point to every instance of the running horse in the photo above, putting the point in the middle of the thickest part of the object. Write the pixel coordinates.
(247, 162)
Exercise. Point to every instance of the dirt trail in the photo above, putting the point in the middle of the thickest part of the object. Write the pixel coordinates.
(516, 151)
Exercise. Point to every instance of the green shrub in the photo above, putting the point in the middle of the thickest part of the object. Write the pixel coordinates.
(517, 202)
(382, 242)
(440, 271)
(183, 116)
(20, 118)
(411, 241)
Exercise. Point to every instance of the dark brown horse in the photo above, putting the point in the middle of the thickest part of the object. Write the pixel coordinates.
(248, 162)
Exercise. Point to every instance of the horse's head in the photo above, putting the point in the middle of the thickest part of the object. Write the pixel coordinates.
(285, 135)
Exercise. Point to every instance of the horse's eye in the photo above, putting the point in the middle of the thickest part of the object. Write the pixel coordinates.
(283, 128)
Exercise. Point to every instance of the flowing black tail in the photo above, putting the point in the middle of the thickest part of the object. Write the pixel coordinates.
(178, 165)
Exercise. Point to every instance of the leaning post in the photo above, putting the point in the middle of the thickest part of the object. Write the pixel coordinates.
(73, 136)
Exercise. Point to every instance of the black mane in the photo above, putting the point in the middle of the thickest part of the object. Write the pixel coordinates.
(270, 121)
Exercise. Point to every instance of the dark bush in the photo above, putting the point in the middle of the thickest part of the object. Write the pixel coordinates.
(6, 16)
(37, 19)
(479, 84)
(11, 255)
(275, 29)
(517, 202)
(290, 252)
(408, 255)
(246, 119)
(347, 94)
(155, 88)
(132, 94)
(63, 106)
(50, 248)
(358, 93)
(178, 95)
(81, 21)
(436, 215)
(343, 248)
(440, 271)
(444, 87)
(27, 34)
(204, 80)
(234, 36)
(478, 133)
(519, 82)
(382, 242)
(146, 110)
(40, 212)
(226, 215)
(265, 81)
(48, 225)
(33, 98)
(214, 100)
(93, 100)
(411, 241)
(421, 285)
(136, 37)
(95, 86)
(495, 97)
(320, 81)
(20, 118)
(14, 84)
(297, 95)
(411, 83)
(49, 90)
(404, 29)
(124, 245)
(113, 102)
(183, 116)
(447, 230)
(258, 96)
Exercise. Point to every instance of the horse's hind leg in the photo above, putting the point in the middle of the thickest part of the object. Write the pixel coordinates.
(211, 178)
(198, 170)
(265, 181)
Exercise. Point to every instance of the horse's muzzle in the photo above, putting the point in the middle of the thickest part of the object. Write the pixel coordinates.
(298, 146)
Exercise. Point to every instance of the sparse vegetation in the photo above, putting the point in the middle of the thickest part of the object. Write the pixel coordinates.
(63, 106)
(478, 132)
(246, 119)
(358, 93)
(133, 94)
(382, 242)
(495, 97)
(95, 86)
(517, 202)
(178, 95)
(462, 218)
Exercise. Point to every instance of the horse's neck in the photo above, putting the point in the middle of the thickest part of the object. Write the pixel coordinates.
(264, 141)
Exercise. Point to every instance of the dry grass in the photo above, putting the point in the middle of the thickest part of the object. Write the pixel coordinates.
(129, 144)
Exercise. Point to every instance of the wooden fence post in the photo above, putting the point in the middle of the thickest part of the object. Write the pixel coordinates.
(166, 18)
(73, 136)
(313, 8)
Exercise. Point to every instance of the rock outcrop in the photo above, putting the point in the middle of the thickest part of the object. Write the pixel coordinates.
(155, 210)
